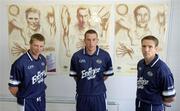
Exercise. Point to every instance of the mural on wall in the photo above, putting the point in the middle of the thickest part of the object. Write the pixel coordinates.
(132, 23)
(25, 20)
(120, 28)
(75, 20)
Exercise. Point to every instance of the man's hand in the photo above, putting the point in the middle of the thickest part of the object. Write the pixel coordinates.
(13, 90)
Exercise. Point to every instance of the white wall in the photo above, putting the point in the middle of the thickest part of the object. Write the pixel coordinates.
(4, 59)
(120, 88)
(174, 51)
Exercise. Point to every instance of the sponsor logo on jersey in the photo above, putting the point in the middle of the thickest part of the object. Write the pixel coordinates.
(90, 73)
(30, 66)
(39, 77)
(141, 82)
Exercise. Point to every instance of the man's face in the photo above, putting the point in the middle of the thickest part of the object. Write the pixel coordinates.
(83, 17)
(148, 49)
(37, 47)
(33, 21)
(142, 17)
(91, 41)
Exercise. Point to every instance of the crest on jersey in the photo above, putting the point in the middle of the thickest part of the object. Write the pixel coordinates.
(99, 61)
(149, 73)
(82, 61)
(42, 63)
(30, 66)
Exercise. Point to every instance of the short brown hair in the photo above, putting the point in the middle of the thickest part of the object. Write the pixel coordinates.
(151, 37)
(90, 31)
(36, 36)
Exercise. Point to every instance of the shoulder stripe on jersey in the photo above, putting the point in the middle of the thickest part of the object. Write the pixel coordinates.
(169, 93)
(84, 51)
(29, 56)
(97, 51)
(73, 73)
(155, 62)
(14, 82)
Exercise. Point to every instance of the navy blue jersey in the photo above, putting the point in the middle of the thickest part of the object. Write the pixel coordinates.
(154, 82)
(90, 70)
(28, 75)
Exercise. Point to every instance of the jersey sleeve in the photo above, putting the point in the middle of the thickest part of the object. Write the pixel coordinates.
(109, 67)
(167, 83)
(15, 76)
(73, 68)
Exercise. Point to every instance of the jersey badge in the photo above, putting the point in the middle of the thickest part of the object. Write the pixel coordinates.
(99, 61)
(82, 61)
(149, 73)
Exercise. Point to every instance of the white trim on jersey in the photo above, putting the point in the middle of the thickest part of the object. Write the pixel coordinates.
(139, 104)
(29, 56)
(84, 51)
(97, 52)
(169, 93)
(151, 107)
(73, 73)
(105, 98)
(108, 72)
(14, 82)
(155, 62)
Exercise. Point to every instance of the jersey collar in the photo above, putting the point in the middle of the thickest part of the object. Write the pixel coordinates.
(154, 61)
(31, 57)
(96, 52)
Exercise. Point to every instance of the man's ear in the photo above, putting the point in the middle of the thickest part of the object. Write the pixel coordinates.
(158, 49)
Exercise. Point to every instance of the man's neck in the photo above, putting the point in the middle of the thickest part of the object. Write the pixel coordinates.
(90, 52)
(33, 55)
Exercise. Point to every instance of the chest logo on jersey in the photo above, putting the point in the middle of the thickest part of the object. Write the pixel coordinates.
(141, 82)
(42, 63)
(39, 77)
(139, 68)
(90, 73)
(30, 67)
(149, 73)
(99, 61)
(82, 61)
